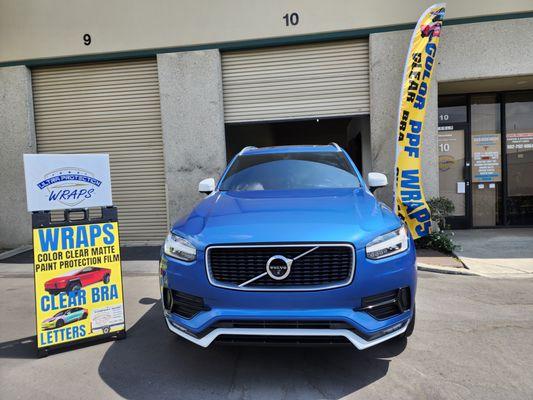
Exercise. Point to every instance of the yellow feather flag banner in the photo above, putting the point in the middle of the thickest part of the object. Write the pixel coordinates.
(409, 200)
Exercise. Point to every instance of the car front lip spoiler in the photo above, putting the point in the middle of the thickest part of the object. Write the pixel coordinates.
(355, 339)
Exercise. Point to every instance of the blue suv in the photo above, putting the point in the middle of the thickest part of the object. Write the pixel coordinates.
(289, 246)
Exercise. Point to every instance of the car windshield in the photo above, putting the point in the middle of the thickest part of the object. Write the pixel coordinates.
(287, 171)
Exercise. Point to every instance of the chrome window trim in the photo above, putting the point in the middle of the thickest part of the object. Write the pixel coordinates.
(216, 283)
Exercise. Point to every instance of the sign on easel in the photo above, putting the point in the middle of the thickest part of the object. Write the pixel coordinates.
(77, 263)
(66, 181)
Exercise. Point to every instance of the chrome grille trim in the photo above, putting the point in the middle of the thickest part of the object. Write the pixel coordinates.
(335, 285)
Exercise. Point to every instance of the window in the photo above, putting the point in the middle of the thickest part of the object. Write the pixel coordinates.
(288, 171)
(452, 109)
(519, 151)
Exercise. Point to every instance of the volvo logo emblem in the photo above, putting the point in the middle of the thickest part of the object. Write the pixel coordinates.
(278, 267)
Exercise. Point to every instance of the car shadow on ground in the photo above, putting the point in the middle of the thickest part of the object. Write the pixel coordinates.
(153, 363)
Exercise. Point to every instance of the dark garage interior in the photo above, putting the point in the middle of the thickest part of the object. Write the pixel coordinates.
(348, 133)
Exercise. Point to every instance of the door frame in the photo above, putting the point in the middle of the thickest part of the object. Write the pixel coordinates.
(463, 222)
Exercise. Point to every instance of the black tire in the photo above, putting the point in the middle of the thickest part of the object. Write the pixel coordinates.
(121, 335)
(106, 278)
(60, 323)
(73, 286)
(106, 329)
(84, 316)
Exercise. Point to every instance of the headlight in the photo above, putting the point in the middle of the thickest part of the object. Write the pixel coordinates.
(388, 244)
(179, 248)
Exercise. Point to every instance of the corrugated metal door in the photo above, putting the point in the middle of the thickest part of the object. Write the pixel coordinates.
(296, 82)
(110, 107)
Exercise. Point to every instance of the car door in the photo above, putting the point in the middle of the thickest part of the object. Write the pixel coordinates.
(76, 314)
(88, 276)
(98, 275)
(68, 317)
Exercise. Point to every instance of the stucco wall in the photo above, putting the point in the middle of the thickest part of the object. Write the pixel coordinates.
(125, 25)
(17, 134)
(192, 115)
(486, 50)
(467, 52)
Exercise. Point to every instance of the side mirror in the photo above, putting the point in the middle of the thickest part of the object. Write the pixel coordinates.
(376, 180)
(207, 186)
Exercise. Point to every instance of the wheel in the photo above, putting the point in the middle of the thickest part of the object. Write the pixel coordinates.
(106, 329)
(121, 335)
(84, 315)
(106, 279)
(73, 287)
(60, 323)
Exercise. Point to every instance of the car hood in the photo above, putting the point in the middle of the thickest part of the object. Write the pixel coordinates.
(322, 215)
(50, 319)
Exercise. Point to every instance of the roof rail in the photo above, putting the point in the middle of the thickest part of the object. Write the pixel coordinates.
(247, 148)
(336, 146)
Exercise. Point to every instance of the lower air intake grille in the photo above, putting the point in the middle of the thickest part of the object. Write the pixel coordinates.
(280, 324)
(187, 305)
(387, 304)
(281, 340)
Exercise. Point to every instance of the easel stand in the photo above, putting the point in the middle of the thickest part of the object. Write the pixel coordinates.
(43, 219)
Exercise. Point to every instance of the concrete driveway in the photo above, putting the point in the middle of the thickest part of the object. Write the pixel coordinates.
(473, 340)
(496, 252)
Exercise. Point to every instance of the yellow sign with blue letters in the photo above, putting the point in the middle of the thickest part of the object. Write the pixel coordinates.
(78, 282)
(409, 200)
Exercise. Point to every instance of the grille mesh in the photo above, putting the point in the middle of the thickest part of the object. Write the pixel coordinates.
(329, 264)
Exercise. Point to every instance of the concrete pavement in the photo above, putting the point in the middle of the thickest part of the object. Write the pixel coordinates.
(473, 340)
(496, 252)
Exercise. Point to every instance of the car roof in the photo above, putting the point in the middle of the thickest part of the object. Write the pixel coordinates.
(333, 147)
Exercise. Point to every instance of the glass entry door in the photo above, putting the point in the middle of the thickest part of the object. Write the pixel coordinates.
(486, 156)
(485, 146)
(454, 181)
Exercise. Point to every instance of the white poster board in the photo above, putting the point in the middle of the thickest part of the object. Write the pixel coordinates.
(62, 181)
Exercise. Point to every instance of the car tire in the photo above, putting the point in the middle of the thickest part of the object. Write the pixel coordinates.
(106, 329)
(73, 286)
(106, 278)
(84, 316)
(60, 323)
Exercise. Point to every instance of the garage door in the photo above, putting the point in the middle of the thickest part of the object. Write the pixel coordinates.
(113, 108)
(296, 82)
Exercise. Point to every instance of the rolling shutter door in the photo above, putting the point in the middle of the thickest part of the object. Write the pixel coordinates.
(110, 107)
(296, 82)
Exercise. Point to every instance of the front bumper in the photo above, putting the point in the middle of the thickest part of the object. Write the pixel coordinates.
(340, 305)
(48, 325)
(348, 334)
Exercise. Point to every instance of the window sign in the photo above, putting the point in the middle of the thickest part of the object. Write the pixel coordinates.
(486, 157)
